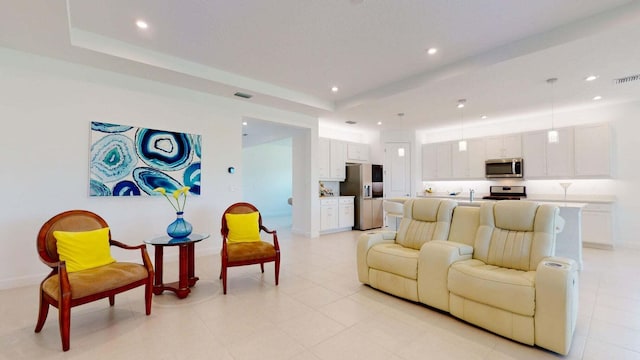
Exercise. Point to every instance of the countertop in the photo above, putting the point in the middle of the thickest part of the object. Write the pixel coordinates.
(553, 198)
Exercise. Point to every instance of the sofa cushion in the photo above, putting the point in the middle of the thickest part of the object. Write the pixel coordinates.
(507, 289)
(515, 234)
(395, 259)
(515, 215)
(425, 220)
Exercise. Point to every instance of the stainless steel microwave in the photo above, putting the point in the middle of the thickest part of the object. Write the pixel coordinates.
(504, 168)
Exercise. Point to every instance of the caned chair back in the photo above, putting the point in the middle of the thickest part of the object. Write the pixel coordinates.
(72, 220)
(238, 208)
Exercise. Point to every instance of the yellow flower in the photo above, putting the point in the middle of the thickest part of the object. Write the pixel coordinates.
(176, 195)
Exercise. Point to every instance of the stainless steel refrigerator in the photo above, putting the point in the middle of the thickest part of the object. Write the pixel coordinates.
(358, 183)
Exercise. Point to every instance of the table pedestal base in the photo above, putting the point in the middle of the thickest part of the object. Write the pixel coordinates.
(186, 277)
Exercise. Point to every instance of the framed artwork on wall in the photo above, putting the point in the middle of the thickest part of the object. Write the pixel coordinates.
(131, 161)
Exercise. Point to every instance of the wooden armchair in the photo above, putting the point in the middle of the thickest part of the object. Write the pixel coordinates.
(241, 243)
(64, 288)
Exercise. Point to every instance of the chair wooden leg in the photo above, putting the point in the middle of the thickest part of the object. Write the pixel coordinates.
(277, 269)
(223, 275)
(42, 313)
(148, 295)
(262, 267)
(64, 320)
(112, 300)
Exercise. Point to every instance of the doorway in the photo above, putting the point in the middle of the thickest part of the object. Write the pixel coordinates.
(397, 173)
(268, 179)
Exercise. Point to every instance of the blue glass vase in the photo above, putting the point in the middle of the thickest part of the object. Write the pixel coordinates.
(180, 228)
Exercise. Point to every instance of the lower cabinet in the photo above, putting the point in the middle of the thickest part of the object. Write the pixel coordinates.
(336, 214)
(328, 214)
(597, 226)
(346, 212)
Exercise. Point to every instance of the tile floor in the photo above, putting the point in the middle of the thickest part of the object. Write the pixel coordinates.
(319, 311)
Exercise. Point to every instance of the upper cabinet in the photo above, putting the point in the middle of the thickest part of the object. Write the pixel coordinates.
(436, 161)
(358, 152)
(468, 164)
(592, 150)
(542, 159)
(582, 151)
(443, 161)
(504, 146)
(331, 159)
(324, 152)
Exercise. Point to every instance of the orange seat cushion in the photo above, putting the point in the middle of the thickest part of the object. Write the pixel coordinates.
(243, 251)
(92, 281)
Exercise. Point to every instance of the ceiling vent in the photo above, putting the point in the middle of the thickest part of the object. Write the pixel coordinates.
(243, 95)
(350, 122)
(626, 79)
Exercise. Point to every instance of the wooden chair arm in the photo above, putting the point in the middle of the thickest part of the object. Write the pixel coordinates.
(275, 236)
(63, 278)
(125, 246)
(143, 251)
(146, 260)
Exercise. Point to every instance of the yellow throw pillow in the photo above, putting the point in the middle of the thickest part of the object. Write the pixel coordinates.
(84, 249)
(243, 227)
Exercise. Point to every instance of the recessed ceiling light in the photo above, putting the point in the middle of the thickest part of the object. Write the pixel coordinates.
(142, 24)
(598, 97)
(379, 122)
(591, 78)
(334, 89)
(484, 117)
(432, 51)
(244, 123)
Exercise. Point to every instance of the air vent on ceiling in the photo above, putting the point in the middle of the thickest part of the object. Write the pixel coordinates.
(626, 79)
(350, 122)
(243, 95)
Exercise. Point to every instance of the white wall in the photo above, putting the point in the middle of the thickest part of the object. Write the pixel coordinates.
(46, 107)
(267, 177)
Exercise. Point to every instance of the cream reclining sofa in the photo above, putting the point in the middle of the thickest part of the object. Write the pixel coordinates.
(492, 266)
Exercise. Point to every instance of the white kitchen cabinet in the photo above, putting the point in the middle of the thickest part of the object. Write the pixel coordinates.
(597, 226)
(429, 166)
(332, 158)
(324, 156)
(560, 155)
(468, 164)
(443, 161)
(544, 160)
(592, 144)
(346, 209)
(534, 154)
(357, 152)
(338, 170)
(505, 146)
(329, 212)
(336, 214)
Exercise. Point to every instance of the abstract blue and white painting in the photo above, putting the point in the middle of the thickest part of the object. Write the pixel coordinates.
(131, 161)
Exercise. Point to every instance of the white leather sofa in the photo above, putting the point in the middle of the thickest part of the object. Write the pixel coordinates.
(492, 266)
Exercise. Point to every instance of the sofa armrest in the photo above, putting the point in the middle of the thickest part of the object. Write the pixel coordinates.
(556, 303)
(365, 242)
(433, 270)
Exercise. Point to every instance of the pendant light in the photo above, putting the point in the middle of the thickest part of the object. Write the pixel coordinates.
(552, 135)
(462, 144)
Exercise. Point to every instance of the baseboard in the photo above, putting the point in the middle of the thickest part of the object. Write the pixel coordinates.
(21, 281)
